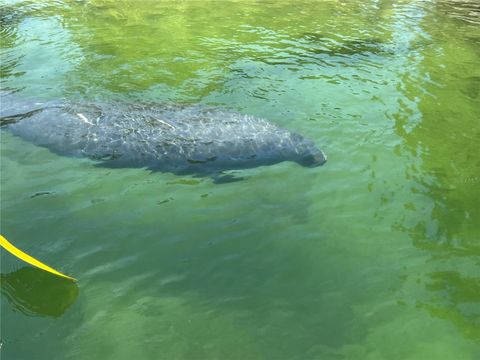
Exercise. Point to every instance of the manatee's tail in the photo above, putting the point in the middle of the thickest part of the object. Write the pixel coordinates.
(14, 107)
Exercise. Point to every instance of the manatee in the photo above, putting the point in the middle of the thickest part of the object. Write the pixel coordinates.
(181, 139)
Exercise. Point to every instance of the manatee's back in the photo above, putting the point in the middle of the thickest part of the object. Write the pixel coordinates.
(220, 137)
(181, 137)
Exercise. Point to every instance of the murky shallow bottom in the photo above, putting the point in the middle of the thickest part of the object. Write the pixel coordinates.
(373, 256)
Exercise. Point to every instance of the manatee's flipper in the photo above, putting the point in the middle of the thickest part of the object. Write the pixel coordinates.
(222, 178)
(113, 161)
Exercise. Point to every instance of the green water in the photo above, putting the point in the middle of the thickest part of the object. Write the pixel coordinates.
(375, 255)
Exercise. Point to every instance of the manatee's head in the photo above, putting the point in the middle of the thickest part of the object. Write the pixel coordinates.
(306, 152)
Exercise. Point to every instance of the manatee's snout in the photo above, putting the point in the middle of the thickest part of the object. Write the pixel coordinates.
(313, 159)
(309, 154)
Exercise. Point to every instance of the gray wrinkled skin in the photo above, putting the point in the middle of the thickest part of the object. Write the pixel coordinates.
(172, 138)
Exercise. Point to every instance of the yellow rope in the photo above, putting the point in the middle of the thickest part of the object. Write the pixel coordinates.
(28, 259)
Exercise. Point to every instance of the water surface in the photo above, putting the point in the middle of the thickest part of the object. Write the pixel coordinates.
(373, 256)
